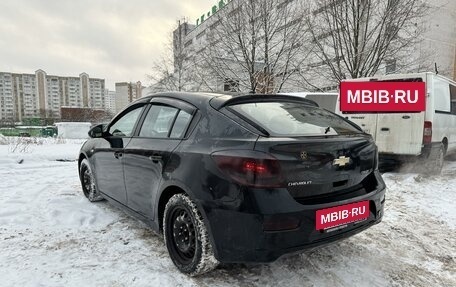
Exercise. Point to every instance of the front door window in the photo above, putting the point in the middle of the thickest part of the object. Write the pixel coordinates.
(124, 126)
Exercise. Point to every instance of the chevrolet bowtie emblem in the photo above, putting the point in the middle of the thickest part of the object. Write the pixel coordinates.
(341, 161)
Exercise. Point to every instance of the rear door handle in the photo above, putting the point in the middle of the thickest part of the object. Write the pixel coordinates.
(155, 158)
(118, 154)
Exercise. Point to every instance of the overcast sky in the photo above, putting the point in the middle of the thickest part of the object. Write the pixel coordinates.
(117, 40)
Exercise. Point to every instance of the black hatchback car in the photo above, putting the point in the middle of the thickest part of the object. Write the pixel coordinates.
(235, 178)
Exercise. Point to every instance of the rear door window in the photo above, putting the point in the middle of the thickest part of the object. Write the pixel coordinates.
(164, 121)
(158, 122)
(293, 119)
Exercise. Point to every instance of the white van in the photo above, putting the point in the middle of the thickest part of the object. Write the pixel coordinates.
(324, 100)
(430, 135)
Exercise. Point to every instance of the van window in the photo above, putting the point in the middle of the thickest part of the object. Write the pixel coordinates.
(441, 95)
(453, 98)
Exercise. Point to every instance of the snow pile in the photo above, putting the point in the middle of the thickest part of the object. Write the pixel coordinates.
(434, 196)
(70, 130)
(38, 150)
(3, 140)
(50, 235)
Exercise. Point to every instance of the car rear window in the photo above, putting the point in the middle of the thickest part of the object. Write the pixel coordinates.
(293, 119)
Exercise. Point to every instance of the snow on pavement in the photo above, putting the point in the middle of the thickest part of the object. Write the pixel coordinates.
(50, 235)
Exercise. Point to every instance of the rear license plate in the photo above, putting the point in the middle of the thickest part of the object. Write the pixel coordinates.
(340, 215)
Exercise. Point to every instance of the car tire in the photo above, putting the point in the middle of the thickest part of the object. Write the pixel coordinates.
(87, 178)
(434, 163)
(186, 237)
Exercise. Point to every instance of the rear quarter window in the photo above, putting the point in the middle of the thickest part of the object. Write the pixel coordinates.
(293, 119)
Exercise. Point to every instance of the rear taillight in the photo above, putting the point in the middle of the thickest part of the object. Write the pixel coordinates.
(427, 133)
(255, 170)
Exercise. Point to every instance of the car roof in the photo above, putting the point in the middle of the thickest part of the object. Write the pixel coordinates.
(219, 100)
(198, 99)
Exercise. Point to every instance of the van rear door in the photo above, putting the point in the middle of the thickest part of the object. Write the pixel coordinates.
(394, 133)
(400, 133)
(368, 122)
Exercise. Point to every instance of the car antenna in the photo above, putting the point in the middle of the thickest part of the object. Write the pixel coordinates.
(436, 69)
(327, 130)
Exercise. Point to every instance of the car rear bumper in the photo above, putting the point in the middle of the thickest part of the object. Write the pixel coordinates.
(240, 236)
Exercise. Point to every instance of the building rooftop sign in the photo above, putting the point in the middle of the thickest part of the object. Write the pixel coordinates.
(211, 12)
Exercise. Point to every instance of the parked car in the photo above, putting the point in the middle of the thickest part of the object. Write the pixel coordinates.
(235, 178)
(49, 131)
(24, 134)
(402, 137)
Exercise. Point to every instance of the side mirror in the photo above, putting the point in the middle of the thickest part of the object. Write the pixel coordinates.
(96, 131)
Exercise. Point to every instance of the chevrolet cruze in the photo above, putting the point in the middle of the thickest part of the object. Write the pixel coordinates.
(235, 178)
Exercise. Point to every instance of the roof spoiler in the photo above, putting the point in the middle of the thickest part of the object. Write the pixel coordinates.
(221, 102)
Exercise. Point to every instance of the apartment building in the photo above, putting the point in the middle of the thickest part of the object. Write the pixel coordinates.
(7, 102)
(41, 95)
(110, 101)
(127, 92)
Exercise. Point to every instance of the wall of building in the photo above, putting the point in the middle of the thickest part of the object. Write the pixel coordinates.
(7, 110)
(437, 46)
(439, 39)
(110, 101)
(127, 92)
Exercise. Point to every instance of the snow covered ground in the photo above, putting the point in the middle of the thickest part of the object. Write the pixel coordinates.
(50, 235)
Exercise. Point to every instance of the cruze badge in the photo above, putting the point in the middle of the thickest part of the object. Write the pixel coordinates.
(304, 155)
(341, 161)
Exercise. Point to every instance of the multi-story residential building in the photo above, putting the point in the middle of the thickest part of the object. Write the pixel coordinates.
(96, 93)
(126, 93)
(41, 95)
(27, 102)
(7, 101)
(52, 97)
(110, 101)
(437, 47)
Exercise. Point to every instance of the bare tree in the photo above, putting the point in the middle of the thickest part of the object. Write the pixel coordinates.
(353, 38)
(254, 45)
(172, 72)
